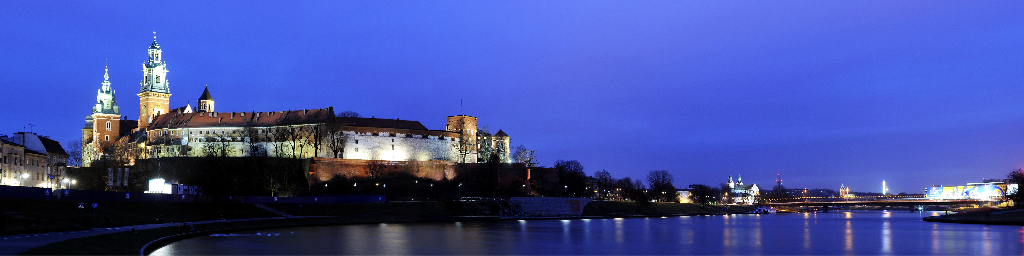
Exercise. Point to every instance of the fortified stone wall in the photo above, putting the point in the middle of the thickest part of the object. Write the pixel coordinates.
(551, 206)
(504, 176)
(399, 145)
(327, 168)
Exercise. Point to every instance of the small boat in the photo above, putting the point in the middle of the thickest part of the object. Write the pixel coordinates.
(763, 210)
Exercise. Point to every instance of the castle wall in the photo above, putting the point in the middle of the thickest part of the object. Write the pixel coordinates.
(396, 146)
(327, 168)
(504, 176)
(365, 143)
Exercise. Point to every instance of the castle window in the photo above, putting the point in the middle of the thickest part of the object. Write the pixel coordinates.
(357, 149)
(158, 79)
(392, 140)
(108, 125)
(106, 137)
(392, 147)
(357, 142)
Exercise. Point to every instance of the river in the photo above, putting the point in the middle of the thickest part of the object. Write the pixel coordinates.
(836, 233)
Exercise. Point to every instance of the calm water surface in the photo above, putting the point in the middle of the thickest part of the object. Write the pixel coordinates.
(838, 233)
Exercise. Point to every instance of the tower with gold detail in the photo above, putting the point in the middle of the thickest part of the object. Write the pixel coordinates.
(155, 95)
(103, 125)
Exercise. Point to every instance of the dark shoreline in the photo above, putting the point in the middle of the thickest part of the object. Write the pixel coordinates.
(994, 216)
(163, 241)
(147, 240)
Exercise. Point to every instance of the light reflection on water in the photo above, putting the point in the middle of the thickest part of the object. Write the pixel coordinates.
(856, 233)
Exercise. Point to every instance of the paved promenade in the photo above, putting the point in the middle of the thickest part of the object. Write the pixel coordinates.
(15, 244)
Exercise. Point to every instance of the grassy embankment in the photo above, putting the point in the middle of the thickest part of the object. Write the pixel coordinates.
(992, 216)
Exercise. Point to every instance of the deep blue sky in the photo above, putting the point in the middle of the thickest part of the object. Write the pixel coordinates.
(824, 92)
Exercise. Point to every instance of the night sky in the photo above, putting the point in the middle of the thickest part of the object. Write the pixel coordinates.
(918, 93)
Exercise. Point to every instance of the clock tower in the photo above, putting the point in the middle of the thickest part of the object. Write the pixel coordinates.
(155, 95)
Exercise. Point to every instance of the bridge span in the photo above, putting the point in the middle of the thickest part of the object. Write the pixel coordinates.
(922, 202)
(885, 203)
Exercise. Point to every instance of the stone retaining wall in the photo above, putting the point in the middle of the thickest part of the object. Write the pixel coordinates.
(551, 206)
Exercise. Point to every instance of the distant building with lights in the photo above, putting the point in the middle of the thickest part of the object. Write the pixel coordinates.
(844, 192)
(742, 194)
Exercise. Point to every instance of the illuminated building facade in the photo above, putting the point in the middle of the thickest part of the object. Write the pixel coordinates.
(202, 131)
(27, 159)
(742, 194)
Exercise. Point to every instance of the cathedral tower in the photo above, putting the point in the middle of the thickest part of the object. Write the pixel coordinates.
(155, 95)
(104, 124)
(205, 102)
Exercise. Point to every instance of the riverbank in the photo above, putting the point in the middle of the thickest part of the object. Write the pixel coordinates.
(209, 221)
(992, 216)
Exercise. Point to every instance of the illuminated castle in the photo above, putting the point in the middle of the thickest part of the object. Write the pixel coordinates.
(162, 131)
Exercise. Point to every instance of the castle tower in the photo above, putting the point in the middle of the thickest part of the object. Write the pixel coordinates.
(731, 183)
(155, 95)
(103, 125)
(466, 127)
(205, 101)
(501, 146)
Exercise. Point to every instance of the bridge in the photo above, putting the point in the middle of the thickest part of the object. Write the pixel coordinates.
(884, 203)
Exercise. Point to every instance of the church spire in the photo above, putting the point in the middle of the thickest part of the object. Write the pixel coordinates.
(105, 101)
(154, 92)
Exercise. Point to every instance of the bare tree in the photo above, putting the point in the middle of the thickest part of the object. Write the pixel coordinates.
(525, 156)
(74, 153)
(292, 131)
(334, 133)
(375, 169)
(604, 182)
(484, 146)
(122, 152)
(571, 177)
(463, 146)
(217, 144)
(704, 194)
(348, 113)
(1015, 177)
(254, 137)
(276, 136)
(501, 151)
(661, 185)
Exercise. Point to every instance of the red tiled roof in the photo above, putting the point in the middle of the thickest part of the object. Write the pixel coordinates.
(239, 119)
(382, 123)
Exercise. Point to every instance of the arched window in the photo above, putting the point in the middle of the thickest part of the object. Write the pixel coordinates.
(108, 125)
(106, 137)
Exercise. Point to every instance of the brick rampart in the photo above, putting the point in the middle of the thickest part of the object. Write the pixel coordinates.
(327, 168)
